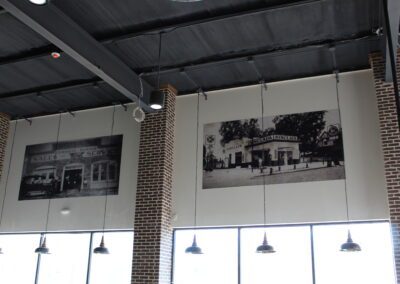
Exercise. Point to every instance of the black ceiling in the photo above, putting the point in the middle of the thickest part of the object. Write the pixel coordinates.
(208, 44)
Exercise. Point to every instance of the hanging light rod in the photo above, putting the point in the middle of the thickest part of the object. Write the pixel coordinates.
(194, 248)
(349, 245)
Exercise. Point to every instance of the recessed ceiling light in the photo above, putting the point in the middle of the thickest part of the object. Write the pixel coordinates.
(39, 2)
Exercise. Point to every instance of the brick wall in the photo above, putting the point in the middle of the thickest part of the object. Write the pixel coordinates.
(153, 229)
(390, 136)
(4, 129)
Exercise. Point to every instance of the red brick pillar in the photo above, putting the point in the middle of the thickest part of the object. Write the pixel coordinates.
(390, 135)
(152, 248)
(4, 129)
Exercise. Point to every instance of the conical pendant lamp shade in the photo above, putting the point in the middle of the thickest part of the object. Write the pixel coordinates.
(194, 248)
(265, 247)
(349, 245)
(101, 249)
(42, 249)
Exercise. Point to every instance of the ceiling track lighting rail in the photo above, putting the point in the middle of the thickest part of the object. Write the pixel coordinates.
(174, 25)
(240, 57)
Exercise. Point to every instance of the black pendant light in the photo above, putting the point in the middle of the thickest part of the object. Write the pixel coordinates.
(157, 96)
(101, 249)
(264, 247)
(194, 248)
(43, 249)
(349, 245)
(8, 174)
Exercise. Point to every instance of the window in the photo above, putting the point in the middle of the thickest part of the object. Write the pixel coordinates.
(373, 264)
(292, 262)
(305, 254)
(18, 263)
(115, 267)
(218, 264)
(104, 170)
(67, 261)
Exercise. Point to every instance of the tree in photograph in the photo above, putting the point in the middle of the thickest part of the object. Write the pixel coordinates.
(231, 130)
(306, 126)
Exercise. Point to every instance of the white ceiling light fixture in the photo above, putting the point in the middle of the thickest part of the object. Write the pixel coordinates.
(39, 2)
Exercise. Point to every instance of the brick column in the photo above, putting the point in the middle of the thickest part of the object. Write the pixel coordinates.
(4, 129)
(390, 135)
(153, 231)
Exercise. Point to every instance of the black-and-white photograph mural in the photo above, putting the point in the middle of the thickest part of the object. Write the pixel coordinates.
(88, 167)
(300, 147)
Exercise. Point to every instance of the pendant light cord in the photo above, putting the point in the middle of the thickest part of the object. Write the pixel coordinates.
(197, 159)
(8, 172)
(263, 152)
(341, 126)
(336, 72)
(107, 174)
(55, 157)
(159, 60)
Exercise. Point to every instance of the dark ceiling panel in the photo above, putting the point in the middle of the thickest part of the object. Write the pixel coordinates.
(105, 16)
(15, 37)
(310, 25)
(312, 22)
(43, 71)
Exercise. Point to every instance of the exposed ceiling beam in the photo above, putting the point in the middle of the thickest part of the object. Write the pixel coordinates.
(189, 66)
(59, 29)
(391, 11)
(171, 25)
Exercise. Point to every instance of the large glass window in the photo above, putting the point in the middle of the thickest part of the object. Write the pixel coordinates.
(218, 264)
(68, 259)
(306, 254)
(115, 267)
(373, 264)
(18, 261)
(291, 263)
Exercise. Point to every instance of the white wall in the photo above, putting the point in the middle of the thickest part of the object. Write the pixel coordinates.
(286, 203)
(86, 212)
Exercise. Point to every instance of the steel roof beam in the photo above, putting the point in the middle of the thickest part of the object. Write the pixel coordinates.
(391, 13)
(59, 29)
